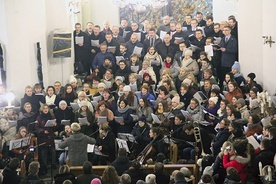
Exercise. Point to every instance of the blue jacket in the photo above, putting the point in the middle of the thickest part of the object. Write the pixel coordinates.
(99, 59)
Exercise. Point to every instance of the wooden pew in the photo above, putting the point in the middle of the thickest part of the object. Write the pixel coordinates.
(168, 169)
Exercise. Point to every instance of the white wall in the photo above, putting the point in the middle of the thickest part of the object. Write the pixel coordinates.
(25, 23)
(250, 38)
(104, 10)
(223, 8)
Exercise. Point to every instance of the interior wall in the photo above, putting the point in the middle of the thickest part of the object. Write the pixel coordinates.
(223, 8)
(104, 10)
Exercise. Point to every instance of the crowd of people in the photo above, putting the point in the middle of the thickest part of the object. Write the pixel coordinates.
(162, 86)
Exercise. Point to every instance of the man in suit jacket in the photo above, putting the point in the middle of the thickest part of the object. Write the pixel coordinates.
(229, 49)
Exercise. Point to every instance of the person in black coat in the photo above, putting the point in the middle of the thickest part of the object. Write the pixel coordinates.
(64, 174)
(63, 113)
(152, 39)
(122, 163)
(124, 111)
(221, 136)
(106, 145)
(81, 50)
(124, 71)
(161, 178)
(124, 28)
(109, 41)
(26, 117)
(141, 134)
(87, 175)
(185, 97)
(135, 29)
(135, 172)
(69, 94)
(272, 135)
(265, 156)
(10, 174)
(180, 34)
(30, 97)
(166, 47)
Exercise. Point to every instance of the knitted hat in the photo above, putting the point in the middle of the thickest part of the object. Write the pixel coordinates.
(254, 103)
(146, 75)
(127, 88)
(72, 79)
(252, 76)
(75, 127)
(101, 85)
(176, 99)
(83, 103)
(214, 99)
(142, 118)
(96, 181)
(187, 81)
(62, 102)
(236, 66)
(240, 147)
(119, 78)
(241, 101)
(188, 52)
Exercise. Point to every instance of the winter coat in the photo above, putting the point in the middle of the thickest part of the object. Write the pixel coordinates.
(108, 145)
(146, 111)
(220, 138)
(86, 129)
(150, 71)
(65, 114)
(177, 110)
(121, 164)
(31, 99)
(173, 70)
(232, 94)
(244, 112)
(239, 163)
(149, 98)
(197, 113)
(77, 148)
(128, 120)
(10, 176)
(191, 65)
(254, 128)
(229, 56)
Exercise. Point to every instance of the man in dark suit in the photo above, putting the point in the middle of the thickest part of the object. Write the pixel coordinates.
(124, 28)
(151, 40)
(135, 29)
(116, 37)
(229, 49)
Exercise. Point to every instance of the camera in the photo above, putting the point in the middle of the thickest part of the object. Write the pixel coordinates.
(228, 148)
(32, 149)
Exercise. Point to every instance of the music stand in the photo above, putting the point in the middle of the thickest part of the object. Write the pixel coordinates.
(127, 137)
(122, 144)
(19, 143)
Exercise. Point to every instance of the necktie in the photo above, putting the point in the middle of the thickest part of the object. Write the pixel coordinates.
(226, 39)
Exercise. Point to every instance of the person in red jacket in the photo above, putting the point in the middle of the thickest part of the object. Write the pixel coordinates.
(239, 161)
(254, 125)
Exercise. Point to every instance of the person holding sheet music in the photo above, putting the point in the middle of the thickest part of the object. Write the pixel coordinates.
(63, 113)
(141, 134)
(195, 110)
(109, 100)
(103, 110)
(161, 108)
(23, 153)
(198, 43)
(84, 112)
(81, 47)
(171, 65)
(45, 135)
(69, 94)
(113, 46)
(135, 31)
(155, 60)
(146, 68)
(82, 97)
(99, 58)
(130, 97)
(51, 99)
(40, 94)
(134, 83)
(123, 71)
(101, 87)
(190, 63)
(144, 109)
(108, 77)
(106, 145)
(132, 44)
(26, 116)
(124, 111)
(180, 36)
(134, 63)
(77, 145)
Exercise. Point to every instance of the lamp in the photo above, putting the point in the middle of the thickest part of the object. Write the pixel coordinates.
(10, 97)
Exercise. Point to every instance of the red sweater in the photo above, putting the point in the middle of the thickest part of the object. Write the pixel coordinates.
(239, 163)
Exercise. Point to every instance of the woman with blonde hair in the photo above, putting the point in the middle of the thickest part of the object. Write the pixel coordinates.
(110, 176)
(219, 171)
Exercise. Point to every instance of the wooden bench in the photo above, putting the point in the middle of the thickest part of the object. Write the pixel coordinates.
(168, 169)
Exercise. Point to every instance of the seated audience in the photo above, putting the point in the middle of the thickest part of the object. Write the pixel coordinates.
(122, 163)
(87, 175)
